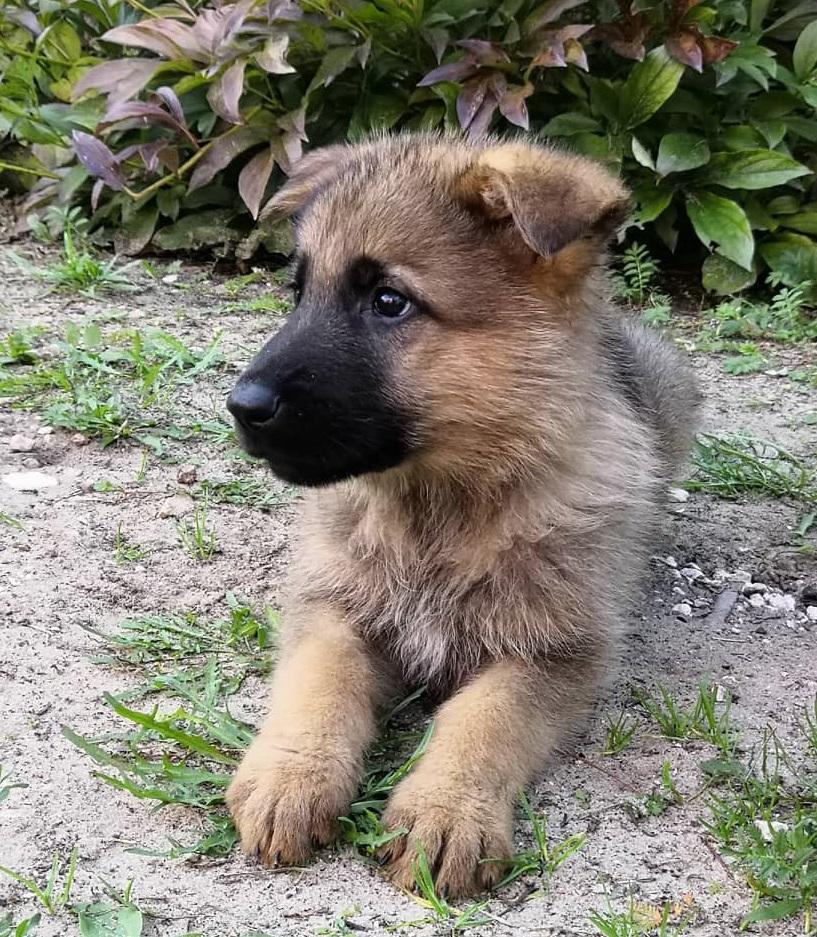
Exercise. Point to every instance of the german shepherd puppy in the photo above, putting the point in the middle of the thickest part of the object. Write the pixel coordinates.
(487, 444)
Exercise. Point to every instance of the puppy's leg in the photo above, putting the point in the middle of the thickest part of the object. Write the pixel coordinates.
(489, 739)
(301, 771)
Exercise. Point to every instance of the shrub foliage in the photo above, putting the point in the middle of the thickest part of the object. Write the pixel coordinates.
(173, 122)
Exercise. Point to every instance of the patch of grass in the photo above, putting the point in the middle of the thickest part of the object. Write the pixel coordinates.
(453, 919)
(235, 285)
(124, 551)
(643, 920)
(80, 270)
(339, 925)
(269, 303)
(7, 785)
(545, 858)
(786, 318)
(730, 466)
(245, 490)
(119, 916)
(50, 895)
(21, 929)
(10, 521)
(705, 720)
(199, 537)
(659, 800)
(765, 821)
(620, 732)
(17, 347)
(110, 386)
(748, 360)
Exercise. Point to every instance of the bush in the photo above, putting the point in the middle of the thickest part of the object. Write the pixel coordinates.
(175, 122)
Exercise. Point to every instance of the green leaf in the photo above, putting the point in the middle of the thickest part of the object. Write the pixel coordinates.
(803, 221)
(332, 64)
(792, 257)
(105, 920)
(566, 125)
(136, 229)
(773, 912)
(678, 152)
(642, 154)
(740, 137)
(651, 201)
(723, 222)
(724, 277)
(60, 41)
(804, 57)
(649, 85)
(752, 169)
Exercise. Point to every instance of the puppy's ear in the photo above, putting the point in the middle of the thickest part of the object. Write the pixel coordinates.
(552, 198)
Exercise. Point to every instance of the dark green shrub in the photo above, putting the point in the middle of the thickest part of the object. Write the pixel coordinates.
(182, 118)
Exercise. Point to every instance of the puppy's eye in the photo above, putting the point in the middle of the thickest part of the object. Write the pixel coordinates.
(389, 303)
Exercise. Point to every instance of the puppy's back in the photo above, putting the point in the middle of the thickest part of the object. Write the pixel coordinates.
(656, 381)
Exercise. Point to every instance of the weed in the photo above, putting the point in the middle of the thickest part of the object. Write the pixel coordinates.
(620, 733)
(50, 895)
(729, 466)
(17, 347)
(748, 360)
(7, 785)
(21, 929)
(545, 858)
(55, 220)
(198, 538)
(339, 925)
(79, 270)
(235, 285)
(702, 720)
(270, 303)
(634, 284)
(454, 920)
(784, 319)
(118, 916)
(658, 801)
(10, 521)
(642, 920)
(124, 551)
(246, 490)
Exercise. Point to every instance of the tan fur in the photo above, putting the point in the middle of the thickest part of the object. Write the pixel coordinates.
(495, 563)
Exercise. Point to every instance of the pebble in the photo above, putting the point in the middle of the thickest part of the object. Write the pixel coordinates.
(186, 475)
(679, 495)
(176, 506)
(769, 827)
(754, 588)
(45, 431)
(682, 610)
(691, 572)
(756, 600)
(31, 463)
(29, 481)
(811, 612)
(170, 278)
(783, 602)
(21, 443)
(79, 439)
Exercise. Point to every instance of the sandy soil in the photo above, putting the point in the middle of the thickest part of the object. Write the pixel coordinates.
(58, 578)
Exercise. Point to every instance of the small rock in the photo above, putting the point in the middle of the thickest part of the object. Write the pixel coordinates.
(45, 431)
(29, 481)
(783, 602)
(741, 575)
(79, 439)
(30, 462)
(170, 278)
(673, 563)
(186, 475)
(679, 495)
(811, 612)
(721, 694)
(691, 572)
(761, 629)
(754, 588)
(808, 595)
(756, 600)
(21, 443)
(769, 827)
(682, 610)
(176, 506)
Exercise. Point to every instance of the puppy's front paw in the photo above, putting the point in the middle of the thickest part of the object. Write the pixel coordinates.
(285, 802)
(466, 839)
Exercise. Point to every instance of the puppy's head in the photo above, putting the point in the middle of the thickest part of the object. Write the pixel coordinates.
(436, 284)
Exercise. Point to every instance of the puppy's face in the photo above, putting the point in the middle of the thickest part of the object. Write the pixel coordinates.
(422, 269)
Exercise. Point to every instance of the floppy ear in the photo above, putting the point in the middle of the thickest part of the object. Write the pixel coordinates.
(552, 198)
(305, 178)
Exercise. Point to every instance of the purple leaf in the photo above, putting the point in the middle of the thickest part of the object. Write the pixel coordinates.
(452, 71)
(272, 58)
(96, 191)
(684, 48)
(146, 114)
(483, 52)
(551, 52)
(26, 19)
(253, 179)
(119, 80)
(575, 54)
(146, 36)
(223, 151)
(470, 99)
(224, 94)
(482, 118)
(512, 105)
(98, 160)
(171, 102)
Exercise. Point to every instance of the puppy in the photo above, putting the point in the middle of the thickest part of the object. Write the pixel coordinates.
(486, 443)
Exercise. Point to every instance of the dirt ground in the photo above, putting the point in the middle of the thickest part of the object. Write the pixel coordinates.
(59, 582)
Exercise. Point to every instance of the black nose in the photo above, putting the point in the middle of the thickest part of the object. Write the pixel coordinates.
(253, 404)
